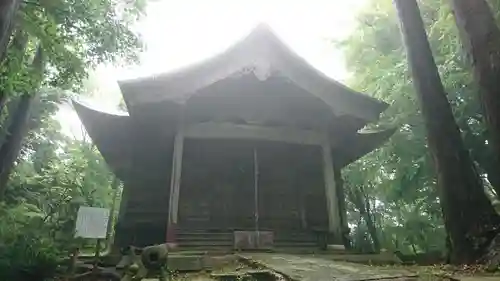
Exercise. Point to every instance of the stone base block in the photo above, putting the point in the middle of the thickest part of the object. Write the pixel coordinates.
(185, 263)
(335, 248)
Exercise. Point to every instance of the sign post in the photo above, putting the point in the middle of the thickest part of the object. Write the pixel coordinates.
(92, 223)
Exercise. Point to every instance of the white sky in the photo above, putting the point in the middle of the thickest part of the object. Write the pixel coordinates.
(181, 32)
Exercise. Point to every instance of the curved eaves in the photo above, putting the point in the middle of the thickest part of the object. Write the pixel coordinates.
(111, 134)
(261, 48)
(358, 145)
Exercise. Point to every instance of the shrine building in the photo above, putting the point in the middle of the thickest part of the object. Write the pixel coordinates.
(248, 143)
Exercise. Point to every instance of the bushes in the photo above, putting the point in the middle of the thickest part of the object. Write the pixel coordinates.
(37, 222)
(26, 252)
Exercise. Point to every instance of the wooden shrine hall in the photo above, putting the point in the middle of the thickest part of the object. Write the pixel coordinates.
(249, 143)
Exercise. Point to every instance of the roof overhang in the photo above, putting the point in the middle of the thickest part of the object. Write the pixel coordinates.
(264, 54)
(113, 133)
(358, 145)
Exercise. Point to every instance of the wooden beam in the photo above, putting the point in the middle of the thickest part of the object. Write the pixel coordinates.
(212, 130)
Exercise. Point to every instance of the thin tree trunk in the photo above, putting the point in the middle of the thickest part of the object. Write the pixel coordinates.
(491, 168)
(369, 220)
(360, 200)
(339, 186)
(414, 249)
(111, 223)
(8, 10)
(359, 240)
(481, 153)
(481, 38)
(17, 129)
(468, 214)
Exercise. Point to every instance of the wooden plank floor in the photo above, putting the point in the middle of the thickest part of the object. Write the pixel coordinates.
(310, 268)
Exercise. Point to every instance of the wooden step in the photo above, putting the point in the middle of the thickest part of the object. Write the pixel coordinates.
(203, 239)
(192, 239)
(181, 239)
(292, 243)
(204, 242)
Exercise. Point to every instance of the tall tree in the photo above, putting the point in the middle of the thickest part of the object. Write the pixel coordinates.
(8, 9)
(359, 198)
(13, 64)
(11, 147)
(401, 174)
(481, 37)
(74, 36)
(468, 214)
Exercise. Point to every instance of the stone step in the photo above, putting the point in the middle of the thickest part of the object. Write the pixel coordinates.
(185, 262)
(244, 275)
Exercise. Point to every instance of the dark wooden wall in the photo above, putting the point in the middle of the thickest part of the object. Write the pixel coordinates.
(217, 180)
(147, 190)
(217, 188)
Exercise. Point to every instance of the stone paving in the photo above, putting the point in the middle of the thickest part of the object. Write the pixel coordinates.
(310, 268)
(477, 278)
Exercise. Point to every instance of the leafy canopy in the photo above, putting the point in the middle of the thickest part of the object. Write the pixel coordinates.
(398, 178)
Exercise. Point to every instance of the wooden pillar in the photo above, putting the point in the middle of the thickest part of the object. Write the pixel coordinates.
(334, 221)
(175, 183)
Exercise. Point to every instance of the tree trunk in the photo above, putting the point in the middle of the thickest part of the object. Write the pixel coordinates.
(18, 127)
(481, 153)
(481, 38)
(18, 47)
(10, 149)
(8, 10)
(358, 197)
(370, 224)
(339, 186)
(6, 120)
(468, 214)
(112, 218)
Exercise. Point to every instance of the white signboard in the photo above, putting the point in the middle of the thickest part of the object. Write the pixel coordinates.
(92, 222)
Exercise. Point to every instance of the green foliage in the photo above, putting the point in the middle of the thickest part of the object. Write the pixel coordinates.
(53, 174)
(58, 177)
(399, 177)
(27, 253)
(76, 36)
(45, 191)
